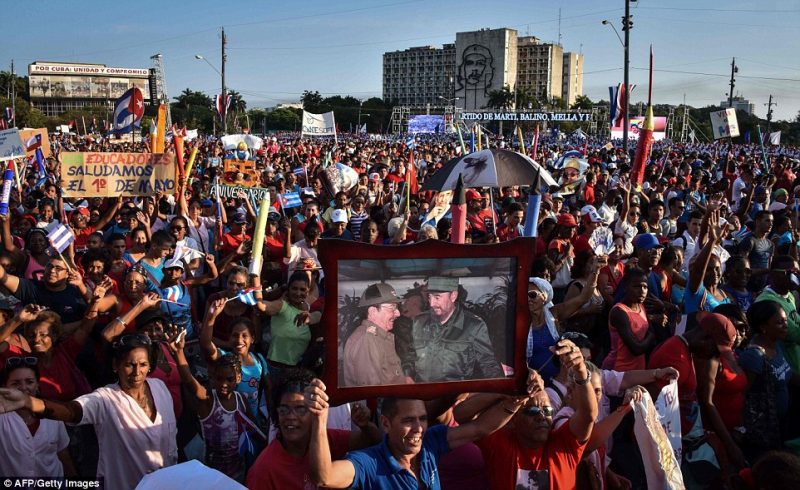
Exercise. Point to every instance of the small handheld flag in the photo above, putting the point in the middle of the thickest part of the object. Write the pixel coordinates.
(291, 200)
(246, 296)
(59, 236)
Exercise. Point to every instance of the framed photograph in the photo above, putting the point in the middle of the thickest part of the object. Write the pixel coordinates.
(424, 320)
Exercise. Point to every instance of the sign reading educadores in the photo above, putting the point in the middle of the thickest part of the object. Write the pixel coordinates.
(117, 174)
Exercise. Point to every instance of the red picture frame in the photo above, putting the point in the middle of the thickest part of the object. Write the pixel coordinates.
(348, 263)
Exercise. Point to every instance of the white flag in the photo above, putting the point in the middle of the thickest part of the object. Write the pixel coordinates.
(775, 138)
(319, 124)
(662, 468)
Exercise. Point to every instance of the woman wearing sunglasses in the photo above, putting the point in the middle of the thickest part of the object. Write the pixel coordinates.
(133, 418)
(30, 445)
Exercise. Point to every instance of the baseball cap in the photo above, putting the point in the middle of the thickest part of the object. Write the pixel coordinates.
(646, 241)
(174, 262)
(442, 284)
(339, 216)
(239, 218)
(473, 195)
(590, 213)
(375, 176)
(718, 328)
(206, 203)
(566, 219)
(8, 302)
(556, 195)
(273, 216)
(378, 293)
(779, 192)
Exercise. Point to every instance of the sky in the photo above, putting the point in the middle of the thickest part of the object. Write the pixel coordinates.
(276, 50)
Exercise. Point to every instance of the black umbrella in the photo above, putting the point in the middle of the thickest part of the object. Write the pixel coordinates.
(487, 168)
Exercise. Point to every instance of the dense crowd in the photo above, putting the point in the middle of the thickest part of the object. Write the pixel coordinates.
(148, 342)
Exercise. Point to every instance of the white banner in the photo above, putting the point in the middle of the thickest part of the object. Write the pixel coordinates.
(11, 146)
(724, 124)
(660, 465)
(775, 138)
(231, 141)
(319, 124)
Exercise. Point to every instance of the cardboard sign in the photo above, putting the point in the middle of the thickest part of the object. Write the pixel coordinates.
(35, 138)
(724, 124)
(92, 174)
(11, 146)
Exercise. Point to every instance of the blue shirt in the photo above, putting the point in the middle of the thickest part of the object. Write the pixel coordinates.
(375, 467)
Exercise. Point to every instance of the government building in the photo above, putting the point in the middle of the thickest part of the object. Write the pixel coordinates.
(462, 74)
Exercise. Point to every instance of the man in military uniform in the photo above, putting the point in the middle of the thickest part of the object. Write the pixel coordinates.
(369, 353)
(450, 343)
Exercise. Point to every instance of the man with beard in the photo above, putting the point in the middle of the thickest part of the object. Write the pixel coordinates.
(450, 343)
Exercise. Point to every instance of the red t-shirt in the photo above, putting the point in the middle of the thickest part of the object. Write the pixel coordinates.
(556, 461)
(581, 243)
(275, 469)
(506, 233)
(58, 381)
(674, 352)
(231, 242)
(588, 194)
(82, 235)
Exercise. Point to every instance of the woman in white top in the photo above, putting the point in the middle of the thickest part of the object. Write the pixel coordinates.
(31, 447)
(133, 418)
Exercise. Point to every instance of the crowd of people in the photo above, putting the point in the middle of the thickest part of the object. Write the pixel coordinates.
(149, 342)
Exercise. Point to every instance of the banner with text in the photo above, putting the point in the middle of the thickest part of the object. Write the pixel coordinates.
(724, 124)
(319, 124)
(527, 116)
(253, 194)
(117, 174)
(11, 146)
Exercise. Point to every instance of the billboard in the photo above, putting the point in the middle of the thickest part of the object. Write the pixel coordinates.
(426, 124)
(63, 81)
(636, 122)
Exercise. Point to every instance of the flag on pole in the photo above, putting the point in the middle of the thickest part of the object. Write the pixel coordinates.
(618, 95)
(291, 200)
(775, 138)
(298, 171)
(59, 236)
(10, 116)
(411, 142)
(41, 168)
(34, 142)
(128, 112)
(173, 293)
(222, 107)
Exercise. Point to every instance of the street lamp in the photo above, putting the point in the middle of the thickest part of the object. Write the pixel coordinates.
(607, 23)
(201, 57)
(449, 100)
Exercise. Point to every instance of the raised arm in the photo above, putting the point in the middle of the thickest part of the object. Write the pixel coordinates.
(213, 273)
(8, 281)
(207, 333)
(584, 401)
(324, 471)
(564, 310)
(109, 215)
(196, 388)
(120, 323)
(697, 269)
(8, 240)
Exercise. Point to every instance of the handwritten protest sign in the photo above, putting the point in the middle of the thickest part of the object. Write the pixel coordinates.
(33, 139)
(11, 146)
(117, 174)
(724, 124)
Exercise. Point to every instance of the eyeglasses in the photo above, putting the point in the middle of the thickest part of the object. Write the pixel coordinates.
(299, 410)
(132, 340)
(534, 294)
(21, 361)
(534, 411)
(389, 306)
(56, 268)
(177, 228)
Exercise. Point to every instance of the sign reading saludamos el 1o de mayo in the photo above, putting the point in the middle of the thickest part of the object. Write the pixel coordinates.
(116, 174)
(526, 116)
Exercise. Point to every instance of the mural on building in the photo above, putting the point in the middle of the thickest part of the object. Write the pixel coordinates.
(475, 73)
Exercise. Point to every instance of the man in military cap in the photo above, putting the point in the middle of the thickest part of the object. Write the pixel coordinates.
(369, 353)
(450, 343)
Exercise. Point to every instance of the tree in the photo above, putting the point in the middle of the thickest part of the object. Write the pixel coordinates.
(311, 101)
(559, 103)
(501, 99)
(526, 99)
(582, 102)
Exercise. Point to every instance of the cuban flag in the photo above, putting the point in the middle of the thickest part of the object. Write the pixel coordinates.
(128, 111)
(299, 171)
(41, 169)
(59, 236)
(173, 293)
(617, 96)
(10, 116)
(222, 108)
(411, 142)
(291, 200)
(246, 296)
(570, 155)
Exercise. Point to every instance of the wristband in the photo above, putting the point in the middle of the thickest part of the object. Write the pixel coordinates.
(119, 319)
(581, 382)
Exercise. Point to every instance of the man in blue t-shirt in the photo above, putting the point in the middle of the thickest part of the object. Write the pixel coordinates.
(409, 454)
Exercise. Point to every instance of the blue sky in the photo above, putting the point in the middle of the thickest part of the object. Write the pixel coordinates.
(278, 49)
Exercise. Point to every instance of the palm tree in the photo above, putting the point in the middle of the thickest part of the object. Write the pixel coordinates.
(501, 99)
(583, 102)
(526, 98)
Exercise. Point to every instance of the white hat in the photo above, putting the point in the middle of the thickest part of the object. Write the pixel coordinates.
(339, 216)
(174, 262)
(592, 213)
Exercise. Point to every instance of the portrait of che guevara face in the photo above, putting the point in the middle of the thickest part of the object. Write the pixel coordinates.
(476, 70)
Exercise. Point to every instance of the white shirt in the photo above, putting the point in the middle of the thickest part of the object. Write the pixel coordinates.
(131, 445)
(299, 251)
(30, 456)
(736, 193)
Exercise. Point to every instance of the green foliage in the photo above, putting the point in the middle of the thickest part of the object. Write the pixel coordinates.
(501, 99)
(582, 102)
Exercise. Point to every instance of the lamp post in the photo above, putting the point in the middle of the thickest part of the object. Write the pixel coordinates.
(360, 104)
(203, 58)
